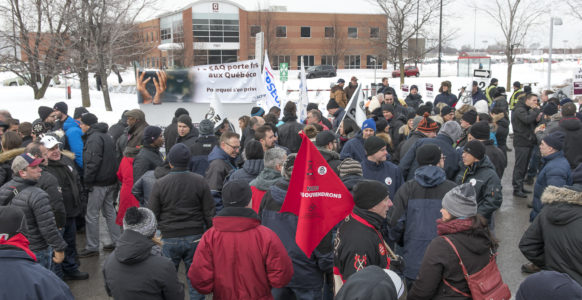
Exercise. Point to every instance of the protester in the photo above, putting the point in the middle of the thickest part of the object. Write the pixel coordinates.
(135, 269)
(373, 283)
(446, 95)
(11, 148)
(440, 270)
(350, 172)
(387, 89)
(414, 99)
(289, 131)
(41, 229)
(501, 124)
(238, 245)
(117, 129)
(480, 131)
(469, 118)
(253, 165)
(337, 112)
(21, 276)
(549, 285)
(338, 94)
(266, 136)
(375, 167)
(171, 131)
(25, 132)
(136, 125)
(326, 142)
(348, 129)
(426, 127)
(523, 119)
(572, 127)
(416, 202)
(149, 156)
(202, 148)
(351, 88)
(125, 176)
(73, 132)
(99, 167)
(354, 148)
(221, 163)
(183, 206)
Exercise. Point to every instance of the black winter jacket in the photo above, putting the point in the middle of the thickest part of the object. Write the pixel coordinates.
(553, 240)
(49, 183)
(487, 185)
(117, 129)
(41, 229)
(502, 132)
(188, 139)
(99, 161)
(133, 272)
(6, 159)
(496, 156)
(69, 182)
(572, 127)
(171, 134)
(332, 159)
(523, 120)
(289, 134)
(182, 204)
(147, 159)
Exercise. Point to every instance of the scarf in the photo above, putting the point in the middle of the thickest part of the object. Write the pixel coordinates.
(453, 226)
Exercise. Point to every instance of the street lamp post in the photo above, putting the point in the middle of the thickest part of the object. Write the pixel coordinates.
(557, 22)
(373, 60)
(440, 37)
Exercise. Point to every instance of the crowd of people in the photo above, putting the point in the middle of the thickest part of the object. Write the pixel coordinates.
(425, 179)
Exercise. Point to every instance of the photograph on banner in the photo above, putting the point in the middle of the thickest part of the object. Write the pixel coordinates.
(237, 82)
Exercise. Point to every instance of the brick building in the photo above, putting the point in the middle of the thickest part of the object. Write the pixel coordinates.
(210, 32)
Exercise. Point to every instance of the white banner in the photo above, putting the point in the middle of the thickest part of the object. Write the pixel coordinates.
(271, 86)
(355, 109)
(237, 82)
(303, 99)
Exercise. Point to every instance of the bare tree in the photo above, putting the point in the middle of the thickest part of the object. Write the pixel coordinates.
(337, 42)
(575, 8)
(37, 28)
(515, 18)
(265, 18)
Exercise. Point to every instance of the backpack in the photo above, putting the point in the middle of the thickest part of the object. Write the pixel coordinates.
(486, 284)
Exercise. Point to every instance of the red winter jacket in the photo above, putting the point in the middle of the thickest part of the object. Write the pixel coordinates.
(240, 259)
(126, 198)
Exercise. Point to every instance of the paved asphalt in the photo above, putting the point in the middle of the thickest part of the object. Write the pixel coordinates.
(511, 220)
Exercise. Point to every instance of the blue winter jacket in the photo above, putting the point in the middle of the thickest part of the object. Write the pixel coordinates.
(307, 271)
(556, 171)
(74, 136)
(417, 205)
(23, 278)
(447, 98)
(385, 172)
(408, 163)
(354, 148)
(479, 95)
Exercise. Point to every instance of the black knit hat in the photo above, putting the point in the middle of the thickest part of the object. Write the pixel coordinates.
(470, 117)
(388, 107)
(141, 220)
(325, 137)
(332, 104)
(381, 124)
(206, 127)
(555, 139)
(254, 150)
(368, 193)
(373, 144)
(446, 110)
(89, 119)
(494, 80)
(179, 155)
(79, 111)
(185, 119)
(150, 134)
(44, 112)
(428, 154)
(550, 109)
(12, 221)
(62, 107)
(480, 130)
(475, 148)
(236, 193)
(180, 111)
(517, 84)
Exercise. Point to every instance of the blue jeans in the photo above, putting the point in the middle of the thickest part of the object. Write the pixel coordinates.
(182, 249)
(287, 293)
(69, 264)
(45, 257)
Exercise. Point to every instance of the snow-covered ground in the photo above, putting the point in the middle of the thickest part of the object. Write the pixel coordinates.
(19, 100)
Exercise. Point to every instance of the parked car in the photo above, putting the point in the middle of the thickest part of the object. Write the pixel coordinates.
(408, 71)
(319, 71)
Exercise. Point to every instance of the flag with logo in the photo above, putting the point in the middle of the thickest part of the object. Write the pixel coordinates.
(316, 195)
(303, 97)
(271, 85)
(355, 109)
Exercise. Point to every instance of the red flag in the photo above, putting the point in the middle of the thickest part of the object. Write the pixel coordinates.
(316, 195)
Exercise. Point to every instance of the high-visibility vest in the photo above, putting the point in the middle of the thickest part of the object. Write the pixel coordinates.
(487, 91)
(513, 98)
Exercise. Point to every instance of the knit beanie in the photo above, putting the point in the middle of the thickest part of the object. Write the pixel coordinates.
(62, 107)
(206, 127)
(141, 220)
(236, 193)
(12, 221)
(332, 104)
(411, 115)
(480, 130)
(150, 134)
(373, 144)
(550, 109)
(381, 124)
(564, 101)
(254, 150)
(428, 154)
(427, 124)
(185, 119)
(44, 112)
(470, 117)
(413, 87)
(388, 107)
(452, 129)
(555, 140)
(475, 148)
(446, 110)
(89, 119)
(180, 111)
(135, 113)
(461, 201)
(349, 166)
(426, 108)
(372, 283)
(325, 137)
(79, 111)
(369, 123)
(287, 169)
(368, 193)
(179, 155)
(257, 112)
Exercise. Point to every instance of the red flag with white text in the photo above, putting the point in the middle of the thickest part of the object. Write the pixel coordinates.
(316, 195)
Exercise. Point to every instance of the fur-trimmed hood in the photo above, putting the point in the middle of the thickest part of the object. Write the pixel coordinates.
(553, 194)
(10, 154)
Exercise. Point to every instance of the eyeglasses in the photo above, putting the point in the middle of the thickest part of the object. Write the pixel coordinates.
(233, 147)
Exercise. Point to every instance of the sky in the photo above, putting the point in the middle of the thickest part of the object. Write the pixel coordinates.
(461, 19)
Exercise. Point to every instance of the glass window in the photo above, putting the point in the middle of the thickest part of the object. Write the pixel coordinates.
(329, 32)
(305, 31)
(219, 31)
(177, 32)
(308, 60)
(166, 33)
(281, 31)
(280, 59)
(205, 57)
(352, 61)
(374, 32)
(254, 30)
(353, 32)
(371, 64)
(328, 60)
